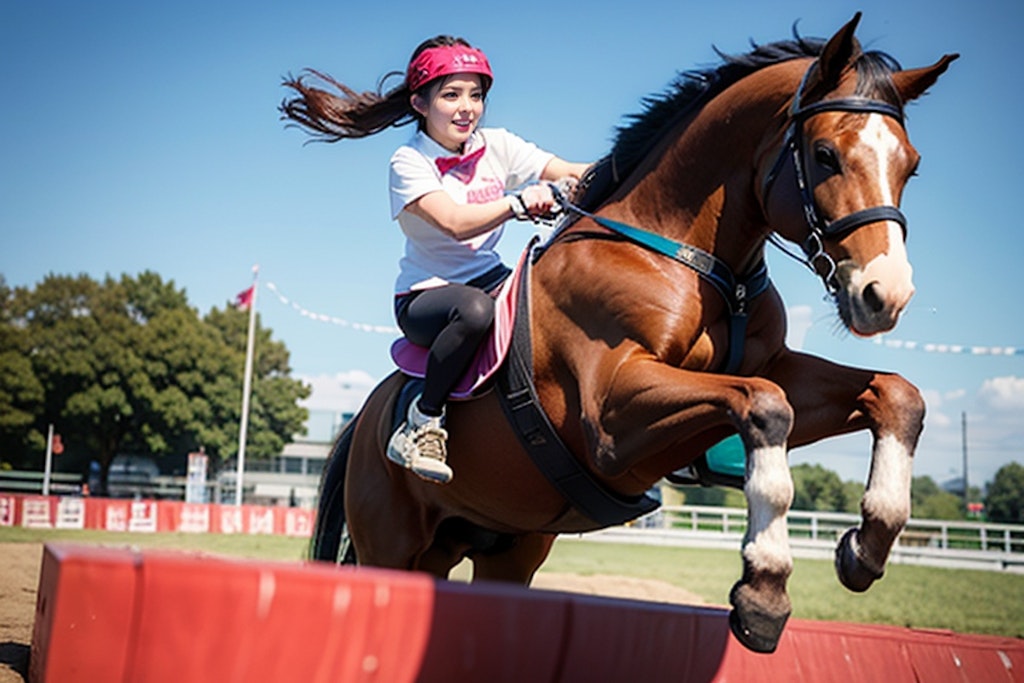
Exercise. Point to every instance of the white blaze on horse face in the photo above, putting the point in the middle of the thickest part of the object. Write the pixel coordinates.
(769, 492)
(879, 138)
(889, 271)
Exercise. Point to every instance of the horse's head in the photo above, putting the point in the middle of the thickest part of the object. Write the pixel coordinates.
(839, 176)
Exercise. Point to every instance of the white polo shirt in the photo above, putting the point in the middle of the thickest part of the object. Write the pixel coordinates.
(433, 258)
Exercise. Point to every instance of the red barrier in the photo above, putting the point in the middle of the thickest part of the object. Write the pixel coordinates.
(124, 615)
(144, 516)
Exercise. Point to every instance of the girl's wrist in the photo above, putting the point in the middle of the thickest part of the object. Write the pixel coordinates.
(518, 207)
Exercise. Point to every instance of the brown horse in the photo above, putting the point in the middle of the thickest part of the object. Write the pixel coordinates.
(655, 333)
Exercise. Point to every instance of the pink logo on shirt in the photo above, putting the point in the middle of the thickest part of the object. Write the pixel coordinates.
(490, 189)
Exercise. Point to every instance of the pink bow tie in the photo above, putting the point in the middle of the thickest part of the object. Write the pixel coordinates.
(461, 168)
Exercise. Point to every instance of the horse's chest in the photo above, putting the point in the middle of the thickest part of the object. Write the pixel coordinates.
(708, 347)
(703, 352)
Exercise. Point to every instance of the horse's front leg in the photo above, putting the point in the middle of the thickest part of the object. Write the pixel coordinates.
(652, 408)
(831, 399)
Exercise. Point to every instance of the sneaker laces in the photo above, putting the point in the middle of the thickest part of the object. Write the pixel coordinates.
(430, 441)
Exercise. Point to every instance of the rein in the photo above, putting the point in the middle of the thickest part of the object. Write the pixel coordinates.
(736, 292)
(818, 229)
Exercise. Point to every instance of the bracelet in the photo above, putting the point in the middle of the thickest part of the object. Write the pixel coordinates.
(518, 207)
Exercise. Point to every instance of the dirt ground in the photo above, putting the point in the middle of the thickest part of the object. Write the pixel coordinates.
(19, 579)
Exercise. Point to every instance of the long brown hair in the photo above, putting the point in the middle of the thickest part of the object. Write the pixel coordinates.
(331, 111)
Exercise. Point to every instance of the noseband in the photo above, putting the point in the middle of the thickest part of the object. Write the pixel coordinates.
(819, 230)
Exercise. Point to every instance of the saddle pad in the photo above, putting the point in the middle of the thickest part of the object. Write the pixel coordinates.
(728, 457)
(411, 359)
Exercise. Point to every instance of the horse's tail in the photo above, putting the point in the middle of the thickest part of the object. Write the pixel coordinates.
(331, 541)
(330, 535)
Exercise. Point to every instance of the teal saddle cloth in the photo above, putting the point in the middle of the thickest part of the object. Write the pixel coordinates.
(724, 464)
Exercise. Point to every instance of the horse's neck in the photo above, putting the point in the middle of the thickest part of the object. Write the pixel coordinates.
(700, 185)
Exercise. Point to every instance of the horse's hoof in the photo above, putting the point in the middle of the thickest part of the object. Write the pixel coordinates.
(850, 568)
(757, 628)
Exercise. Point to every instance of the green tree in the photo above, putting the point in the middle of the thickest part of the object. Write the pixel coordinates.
(147, 296)
(703, 495)
(81, 354)
(929, 501)
(127, 366)
(814, 488)
(853, 492)
(1005, 499)
(817, 488)
(275, 415)
(21, 393)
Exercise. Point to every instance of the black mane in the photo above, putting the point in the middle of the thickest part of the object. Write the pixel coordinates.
(691, 90)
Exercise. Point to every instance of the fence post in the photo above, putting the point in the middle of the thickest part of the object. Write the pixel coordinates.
(48, 468)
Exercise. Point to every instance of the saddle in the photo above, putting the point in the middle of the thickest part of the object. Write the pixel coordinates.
(411, 359)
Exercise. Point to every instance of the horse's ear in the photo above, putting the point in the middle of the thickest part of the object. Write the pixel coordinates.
(839, 53)
(912, 83)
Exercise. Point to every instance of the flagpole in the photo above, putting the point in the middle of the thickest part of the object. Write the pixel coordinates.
(246, 386)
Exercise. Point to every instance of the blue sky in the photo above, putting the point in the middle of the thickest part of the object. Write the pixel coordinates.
(140, 136)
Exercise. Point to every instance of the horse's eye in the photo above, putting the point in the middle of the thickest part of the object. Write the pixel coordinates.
(827, 157)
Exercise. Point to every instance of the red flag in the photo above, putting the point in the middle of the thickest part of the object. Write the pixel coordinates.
(244, 298)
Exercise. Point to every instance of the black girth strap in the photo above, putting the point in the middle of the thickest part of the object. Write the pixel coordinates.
(538, 437)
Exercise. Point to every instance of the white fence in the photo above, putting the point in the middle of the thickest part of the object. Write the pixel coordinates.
(951, 544)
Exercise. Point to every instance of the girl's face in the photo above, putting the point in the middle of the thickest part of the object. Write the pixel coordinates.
(451, 109)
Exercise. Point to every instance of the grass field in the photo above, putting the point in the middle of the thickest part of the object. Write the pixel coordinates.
(922, 597)
(264, 547)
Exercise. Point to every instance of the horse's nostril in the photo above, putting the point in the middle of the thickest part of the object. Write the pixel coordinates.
(873, 297)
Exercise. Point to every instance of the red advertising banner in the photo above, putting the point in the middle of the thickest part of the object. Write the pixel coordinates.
(150, 516)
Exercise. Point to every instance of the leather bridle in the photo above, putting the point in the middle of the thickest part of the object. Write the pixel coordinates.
(737, 292)
(794, 147)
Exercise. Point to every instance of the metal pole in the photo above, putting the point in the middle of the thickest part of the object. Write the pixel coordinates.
(963, 431)
(246, 387)
(49, 461)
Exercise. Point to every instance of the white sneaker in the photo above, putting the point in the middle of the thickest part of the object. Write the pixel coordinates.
(420, 445)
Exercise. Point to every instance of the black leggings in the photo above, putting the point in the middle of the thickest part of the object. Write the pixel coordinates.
(452, 321)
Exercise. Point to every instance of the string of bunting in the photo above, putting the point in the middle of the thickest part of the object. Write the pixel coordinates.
(320, 317)
(926, 347)
(950, 348)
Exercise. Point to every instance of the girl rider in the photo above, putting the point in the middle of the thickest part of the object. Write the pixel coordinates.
(451, 193)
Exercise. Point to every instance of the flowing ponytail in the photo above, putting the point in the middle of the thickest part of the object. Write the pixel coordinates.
(331, 111)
